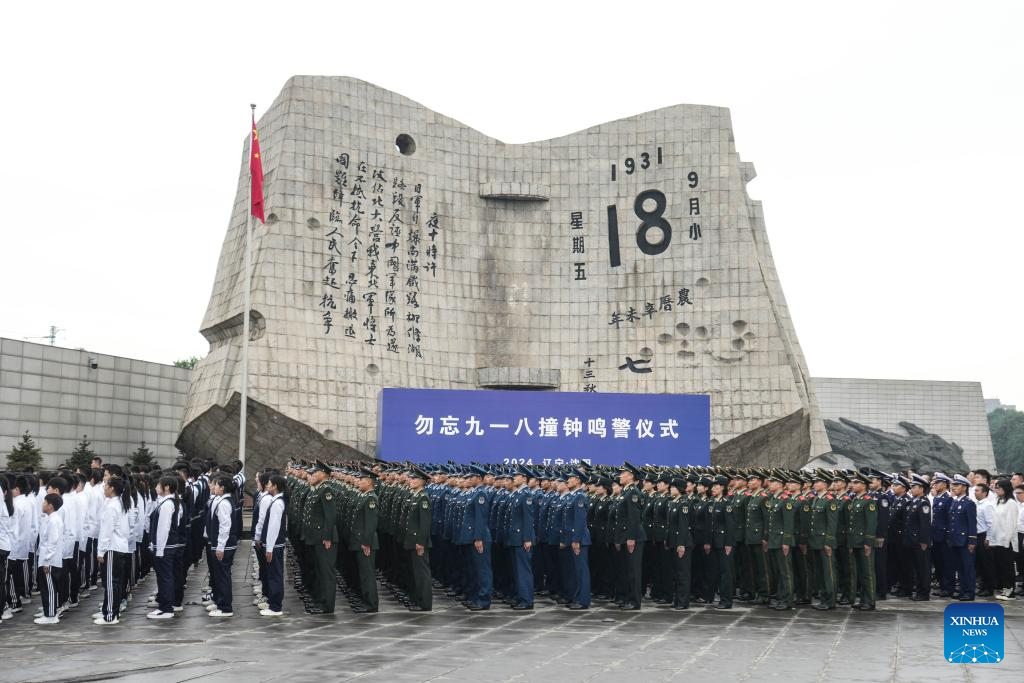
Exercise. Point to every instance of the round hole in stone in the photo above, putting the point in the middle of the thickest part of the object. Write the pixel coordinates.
(748, 335)
(703, 282)
(738, 326)
(686, 354)
(646, 352)
(714, 443)
(312, 223)
(738, 344)
(372, 368)
(701, 332)
(272, 218)
(683, 329)
(664, 338)
(685, 344)
(328, 433)
(655, 235)
(405, 144)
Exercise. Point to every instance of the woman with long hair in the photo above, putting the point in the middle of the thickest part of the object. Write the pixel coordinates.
(113, 550)
(1002, 538)
(168, 544)
(222, 532)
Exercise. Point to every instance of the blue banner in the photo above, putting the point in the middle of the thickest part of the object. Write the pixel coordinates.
(543, 428)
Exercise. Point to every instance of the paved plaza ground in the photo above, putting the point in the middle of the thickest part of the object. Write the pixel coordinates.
(902, 641)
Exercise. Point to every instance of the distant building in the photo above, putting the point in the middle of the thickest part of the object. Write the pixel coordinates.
(953, 410)
(995, 404)
(59, 394)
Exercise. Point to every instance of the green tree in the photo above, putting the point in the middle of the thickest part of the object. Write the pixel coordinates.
(82, 455)
(1007, 427)
(187, 363)
(143, 457)
(25, 456)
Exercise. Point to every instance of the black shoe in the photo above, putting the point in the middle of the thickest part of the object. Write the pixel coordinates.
(722, 605)
(984, 594)
(629, 607)
(866, 608)
(477, 608)
(919, 598)
(680, 607)
(521, 607)
(781, 607)
(966, 598)
(577, 606)
(364, 610)
(314, 610)
(417, 608)
(822, 606)
(942, 594)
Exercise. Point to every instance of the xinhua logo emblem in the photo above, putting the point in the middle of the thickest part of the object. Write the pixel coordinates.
(973, 633)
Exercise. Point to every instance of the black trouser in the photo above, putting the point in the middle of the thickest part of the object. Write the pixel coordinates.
(48, 593)
(165, 568)
(986, 564)
(220, 577)
(274, 573)
(1003, 557)
(681, 576)
(724, 575)
(367, 577)
(421, 592)
(881, 572)
(922, 580)
(115, 566)
(18, 570)
(634, 573)
(64, 587)
(92, 567)
(5, 590)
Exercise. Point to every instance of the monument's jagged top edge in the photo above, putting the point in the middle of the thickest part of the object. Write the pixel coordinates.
(682, 110)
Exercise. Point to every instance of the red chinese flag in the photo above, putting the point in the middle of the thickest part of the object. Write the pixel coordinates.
(256, 174)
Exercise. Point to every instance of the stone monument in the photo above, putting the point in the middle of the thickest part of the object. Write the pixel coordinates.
(403, 248)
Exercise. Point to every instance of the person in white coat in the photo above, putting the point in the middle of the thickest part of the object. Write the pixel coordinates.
(8, 538)
(113, 550)
(25, 543)
(50, 558)
(1002, 538)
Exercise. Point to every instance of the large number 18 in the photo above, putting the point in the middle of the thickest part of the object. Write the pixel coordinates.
(648, 220)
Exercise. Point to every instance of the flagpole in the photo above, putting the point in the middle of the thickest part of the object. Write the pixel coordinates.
(246, 303)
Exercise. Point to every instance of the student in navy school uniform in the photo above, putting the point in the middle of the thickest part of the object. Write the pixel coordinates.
(259, 509)
(167, 533)
(222, 535)
(50, 559)
(273, 532)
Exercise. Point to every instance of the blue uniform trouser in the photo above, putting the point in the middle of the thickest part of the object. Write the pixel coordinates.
(942, 559)
(164, 566)
(483, 579)
(963, 562)
(275, 579)
(581, 575)
(220, 577)
(567, 573)
(522, 568)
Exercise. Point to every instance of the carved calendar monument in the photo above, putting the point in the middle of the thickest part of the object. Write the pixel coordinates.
(404, 249)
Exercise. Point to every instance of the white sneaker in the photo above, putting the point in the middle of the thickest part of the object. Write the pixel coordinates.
(266, 612)
(47, 620)
(263, 605)
(83, 594)
(97, 615)
(25, 600)
(62, 609)
(179, 608)
(72, 605)
(256, 590)
(94, 587)
(124, 605)
(206, 601)
(15, 610)
(211, 607)
(101, 622)
(1005, 594)
(7, 614)
(152, 603)
(218, 613)
(157, 614)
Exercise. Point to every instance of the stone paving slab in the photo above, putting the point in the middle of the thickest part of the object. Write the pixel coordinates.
(901, 641)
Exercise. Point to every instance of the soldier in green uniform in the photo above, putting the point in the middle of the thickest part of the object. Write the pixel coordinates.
(821, 540)
(860, 535)
(629, 536)
(723, 542)
(363, 540)
(415, 539)
(744, 568)
(661, 572)
(780, 517)
(842, 555)
(320, 534)
(753, 536)
(798, 553)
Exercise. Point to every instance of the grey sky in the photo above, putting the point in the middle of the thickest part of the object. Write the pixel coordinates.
(887, 138)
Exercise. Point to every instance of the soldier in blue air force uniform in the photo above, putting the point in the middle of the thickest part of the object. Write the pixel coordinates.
(520, 538)
(578, 534)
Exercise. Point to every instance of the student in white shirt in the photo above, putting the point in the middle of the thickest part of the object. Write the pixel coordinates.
(19, 564)
(94, 495)
(258, 518)
(984, 500)
(8, 539)
(59, 485)
(1002, 538)
(81, 505)
(168, 545)
(273, 531)
(112, 548)
(50, 558)
(222, 536)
